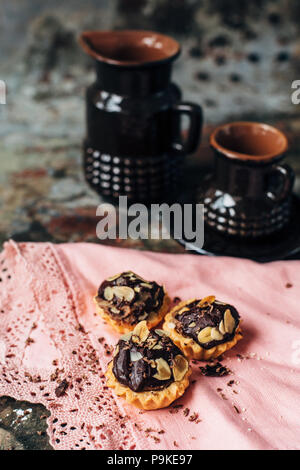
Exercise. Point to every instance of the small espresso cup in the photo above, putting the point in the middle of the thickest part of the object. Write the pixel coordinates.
(249, 193)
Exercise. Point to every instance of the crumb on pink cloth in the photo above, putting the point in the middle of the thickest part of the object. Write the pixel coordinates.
(48, 297)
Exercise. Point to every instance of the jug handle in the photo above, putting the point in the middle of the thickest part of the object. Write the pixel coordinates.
(287, 176)
(195, 115)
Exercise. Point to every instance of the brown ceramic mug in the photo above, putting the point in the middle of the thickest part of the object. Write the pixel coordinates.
(249, 192)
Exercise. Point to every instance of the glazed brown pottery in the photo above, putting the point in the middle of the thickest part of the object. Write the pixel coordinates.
(249, 193)
(133, 145)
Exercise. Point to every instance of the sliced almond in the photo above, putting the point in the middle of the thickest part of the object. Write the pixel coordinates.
(141, 331)
(216, 335)
(143, 317)
(180, 367)
(192, 325)
(161, 332)
(229, 322)
(114, 310)
(126, 336)
(135, 356)
(221, 327)
(123, 292)
(146, 284)
(171, 325)
(108, 293)
(204, 336)
(207, 300)
(163, 369)
(137, 289)
(182, 310)
(157, 346)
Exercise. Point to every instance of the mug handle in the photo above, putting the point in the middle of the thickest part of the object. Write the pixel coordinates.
(194, 112)
(287, 175)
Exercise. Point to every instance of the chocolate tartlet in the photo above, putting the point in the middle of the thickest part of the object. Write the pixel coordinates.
(126, 299)
(148, 369)
(205, 328)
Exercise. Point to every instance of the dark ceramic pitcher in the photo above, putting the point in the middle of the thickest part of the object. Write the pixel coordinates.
(249, 192)
(134, 143)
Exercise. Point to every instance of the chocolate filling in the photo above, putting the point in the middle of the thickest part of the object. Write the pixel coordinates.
(191, 321)
(136, 363)
(136, 304)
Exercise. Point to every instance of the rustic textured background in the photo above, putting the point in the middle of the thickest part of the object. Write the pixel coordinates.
(239, 59)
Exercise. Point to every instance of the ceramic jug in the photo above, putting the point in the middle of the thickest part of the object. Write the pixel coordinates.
(134, 144)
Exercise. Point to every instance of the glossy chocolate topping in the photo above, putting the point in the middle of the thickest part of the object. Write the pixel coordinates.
(130, 298)
(208, 322)
(147, 360)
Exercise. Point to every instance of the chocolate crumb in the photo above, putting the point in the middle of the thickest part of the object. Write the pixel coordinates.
(215, 370)
(175, 444)
(288, 285)
(61, 389)
(186, 411)
(194, 418)
(176, 300)
(236, 409)
(230, 383)
(29, 341)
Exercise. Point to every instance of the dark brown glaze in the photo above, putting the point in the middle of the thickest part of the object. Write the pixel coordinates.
(196, 318)
(138, 374)
(147, 297)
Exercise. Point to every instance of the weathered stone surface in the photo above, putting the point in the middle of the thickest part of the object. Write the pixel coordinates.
(22, 425)
(8, 441)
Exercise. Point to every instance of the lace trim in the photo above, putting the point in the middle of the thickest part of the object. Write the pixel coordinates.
(39, 295)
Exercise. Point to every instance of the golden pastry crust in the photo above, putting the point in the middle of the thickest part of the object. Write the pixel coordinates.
(154, 318)
(148, 400)
(188, 346)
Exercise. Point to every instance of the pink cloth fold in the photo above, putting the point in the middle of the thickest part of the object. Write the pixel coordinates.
(50, 336)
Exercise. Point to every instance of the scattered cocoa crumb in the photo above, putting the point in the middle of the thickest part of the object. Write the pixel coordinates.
(29, 341)
(61, 389)
(176, 300)
(186, 411)
(194, 418)
(236, 409)
(230, 383)
(80, 328)
(34, 326)
(215, 370)
(55, 362)
(219, 389)
(175, 444)
(288, 285)
(101, 339)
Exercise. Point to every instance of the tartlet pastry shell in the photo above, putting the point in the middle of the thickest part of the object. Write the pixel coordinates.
(188, 346)
(148, 400)
(154, 318)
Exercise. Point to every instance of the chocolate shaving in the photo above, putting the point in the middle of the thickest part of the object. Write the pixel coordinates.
(215, 370)
(62, 388)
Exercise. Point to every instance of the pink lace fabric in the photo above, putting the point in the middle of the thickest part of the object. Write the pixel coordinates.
(54, 349)
(39, 307)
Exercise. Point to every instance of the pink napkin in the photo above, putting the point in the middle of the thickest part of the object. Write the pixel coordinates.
(54, 350)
